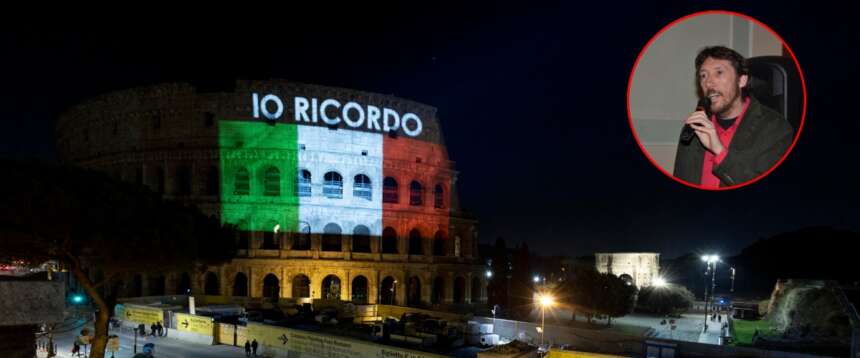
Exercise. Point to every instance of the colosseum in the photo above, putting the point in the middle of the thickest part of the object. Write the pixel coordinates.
(337, 193)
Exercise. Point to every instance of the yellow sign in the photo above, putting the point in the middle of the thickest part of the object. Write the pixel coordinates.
(195, 324)
(140, 314)
(227, 332)
(555, 353)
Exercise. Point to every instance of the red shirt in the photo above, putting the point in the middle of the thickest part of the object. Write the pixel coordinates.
(709, 180)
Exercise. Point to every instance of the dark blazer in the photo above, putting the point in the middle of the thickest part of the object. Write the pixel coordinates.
(760, 141)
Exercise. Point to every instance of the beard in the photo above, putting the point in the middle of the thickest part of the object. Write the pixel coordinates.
(721, 105)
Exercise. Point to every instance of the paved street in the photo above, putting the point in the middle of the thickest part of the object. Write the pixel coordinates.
(165, 347)
(688, 327)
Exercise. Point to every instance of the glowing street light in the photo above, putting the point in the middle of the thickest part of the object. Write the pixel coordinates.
(536, 279)
(489, 274)
(545, 301)
(660, 282)
(711, 261)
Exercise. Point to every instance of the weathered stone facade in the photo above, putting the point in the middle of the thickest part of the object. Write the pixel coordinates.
(166, 137)
(641, 268)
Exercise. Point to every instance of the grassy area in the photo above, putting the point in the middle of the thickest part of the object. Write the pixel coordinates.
(744, 330)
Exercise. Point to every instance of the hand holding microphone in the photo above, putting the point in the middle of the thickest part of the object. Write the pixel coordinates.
(699, 123)
(704, 105)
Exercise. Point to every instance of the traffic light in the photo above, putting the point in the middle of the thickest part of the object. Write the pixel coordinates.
(78, 298)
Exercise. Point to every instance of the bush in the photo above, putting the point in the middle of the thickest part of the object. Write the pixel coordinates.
(667, 300)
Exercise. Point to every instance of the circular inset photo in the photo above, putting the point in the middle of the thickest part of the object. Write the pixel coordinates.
(716, 100)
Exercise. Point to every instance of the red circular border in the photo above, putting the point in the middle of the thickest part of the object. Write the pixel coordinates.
(712, 12)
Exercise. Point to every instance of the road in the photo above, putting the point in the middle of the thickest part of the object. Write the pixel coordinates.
(687, 328)
(165, 347)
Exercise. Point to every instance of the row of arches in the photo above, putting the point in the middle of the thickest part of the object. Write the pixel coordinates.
(389, 291)
(332, 186)
(330, 288)
(332, 240)
(156, 285)
(182, 181)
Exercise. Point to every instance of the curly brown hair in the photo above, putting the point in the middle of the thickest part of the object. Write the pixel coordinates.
(724, 53)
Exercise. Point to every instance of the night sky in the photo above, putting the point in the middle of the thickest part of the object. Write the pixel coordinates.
(532, 103)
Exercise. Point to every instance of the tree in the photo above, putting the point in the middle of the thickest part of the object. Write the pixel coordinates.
(591, 293)
(580, 291)
(672, 299)
(497, 288)
(88, 222)
(616, 297)
(521, 285)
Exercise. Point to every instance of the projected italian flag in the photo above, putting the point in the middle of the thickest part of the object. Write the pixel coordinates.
(303, 178)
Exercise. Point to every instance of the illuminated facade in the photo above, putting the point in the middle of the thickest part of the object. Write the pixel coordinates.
(337, 193)
(638, 268)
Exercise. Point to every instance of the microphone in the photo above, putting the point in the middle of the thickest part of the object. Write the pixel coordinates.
(688, 132)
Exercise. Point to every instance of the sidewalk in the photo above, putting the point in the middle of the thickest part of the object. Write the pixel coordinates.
(165, 347)
(714, 332)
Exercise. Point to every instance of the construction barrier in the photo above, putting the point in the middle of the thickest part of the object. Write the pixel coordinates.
(231, 334)
(280, 341)
(133, 314)
(193, 328)
(558, 353)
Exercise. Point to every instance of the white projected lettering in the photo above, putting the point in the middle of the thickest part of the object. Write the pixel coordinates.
(355, 107)
(373, 118)
(323, 109)
(411, 117)
(300, 108)
(264, 107)
(388, 113)
(332, 112)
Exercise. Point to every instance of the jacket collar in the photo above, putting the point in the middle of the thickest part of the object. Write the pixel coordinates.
(745, 134)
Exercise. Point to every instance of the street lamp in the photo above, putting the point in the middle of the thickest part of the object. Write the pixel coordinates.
(545, 301)
(494, 311)
(660, 282)
(711, 261)
(733, 280)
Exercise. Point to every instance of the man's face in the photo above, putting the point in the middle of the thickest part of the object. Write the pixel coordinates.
(720, 82)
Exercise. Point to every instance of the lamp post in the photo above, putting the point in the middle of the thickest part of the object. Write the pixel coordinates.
(733, 280)
(711, 261)
(545, 301)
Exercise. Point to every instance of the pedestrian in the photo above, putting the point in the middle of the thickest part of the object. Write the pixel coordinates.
(160, 329)
(247, 348)
(141, 329)
(254, 346)
(76, 349)
(720, 318)
(152, 327)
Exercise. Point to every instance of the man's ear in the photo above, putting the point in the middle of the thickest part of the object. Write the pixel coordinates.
(742, 82)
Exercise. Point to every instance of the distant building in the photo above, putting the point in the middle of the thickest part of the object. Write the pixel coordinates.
(638, 268)
(28, 303)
